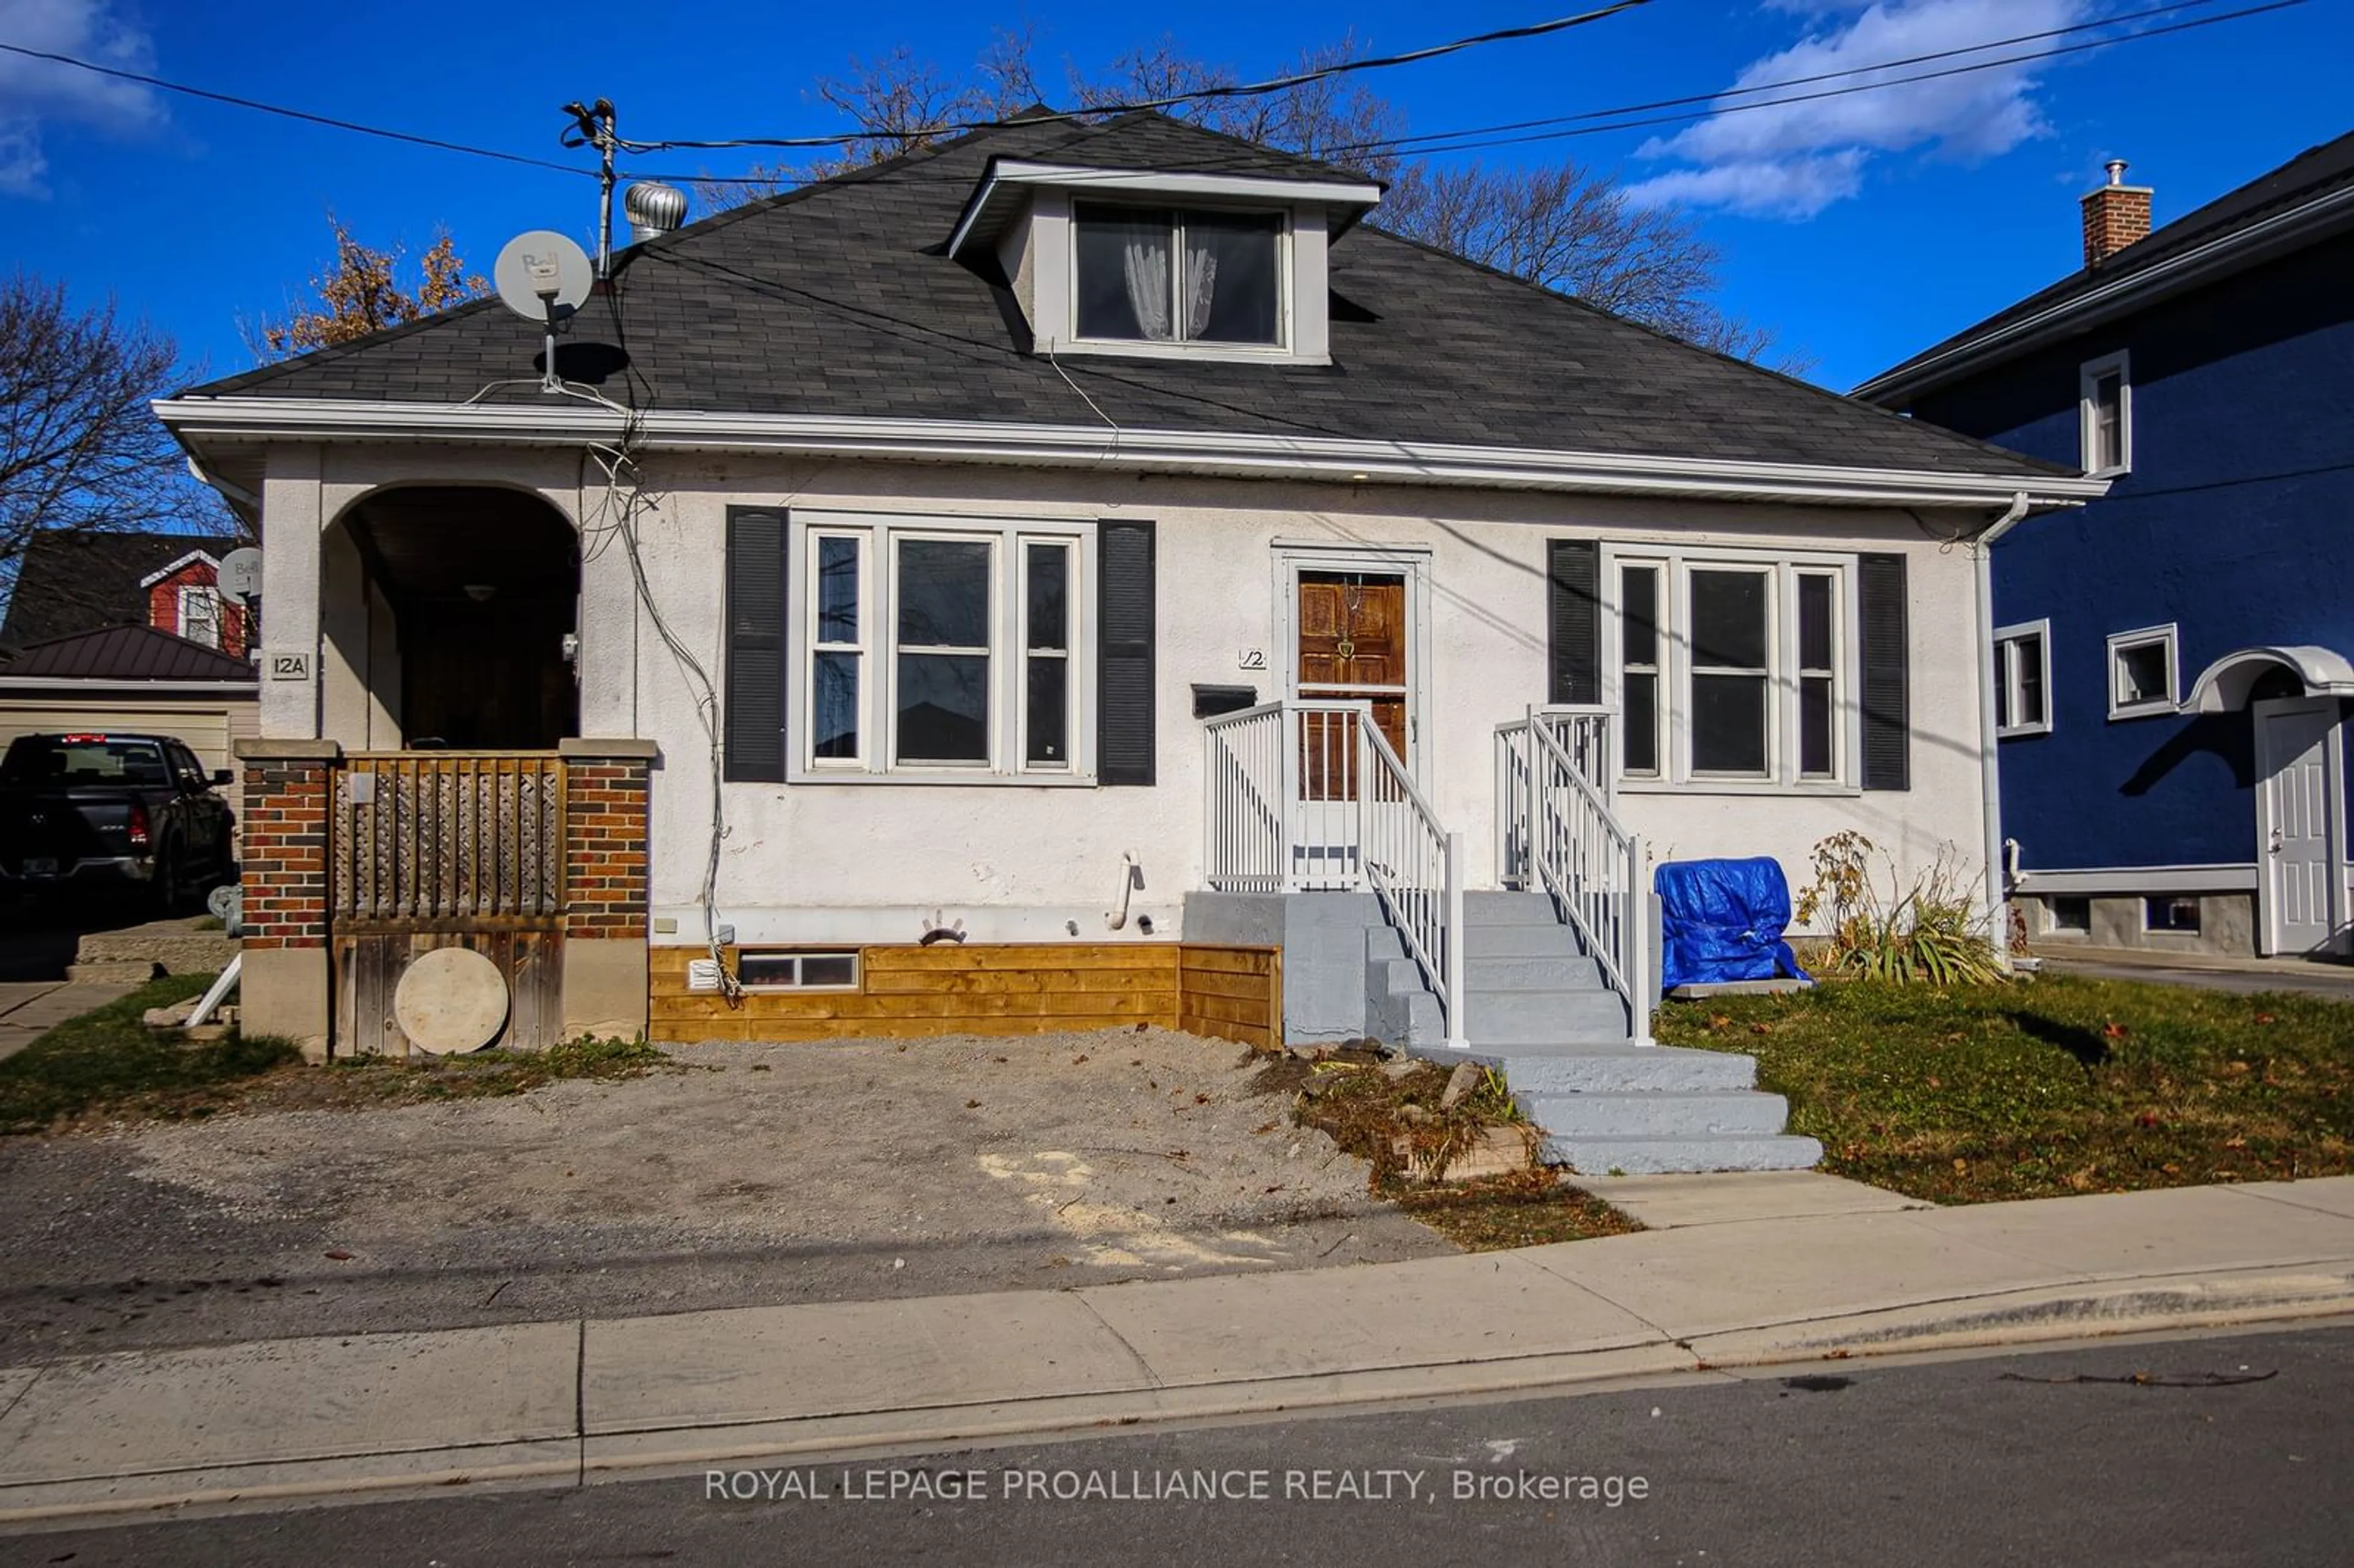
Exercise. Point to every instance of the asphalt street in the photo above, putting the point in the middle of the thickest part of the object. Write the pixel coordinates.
(2235, 1452)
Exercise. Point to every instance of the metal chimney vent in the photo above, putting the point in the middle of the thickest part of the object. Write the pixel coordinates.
(653, 208)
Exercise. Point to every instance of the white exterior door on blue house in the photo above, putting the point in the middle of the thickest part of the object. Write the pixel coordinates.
(2297, 768)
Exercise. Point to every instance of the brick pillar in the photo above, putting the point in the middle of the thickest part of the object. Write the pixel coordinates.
(608, 845)
(283, 987)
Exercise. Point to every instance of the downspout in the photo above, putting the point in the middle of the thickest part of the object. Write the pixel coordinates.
(1998, 899)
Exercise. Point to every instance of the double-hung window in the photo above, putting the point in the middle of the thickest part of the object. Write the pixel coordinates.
(2104, 394)
(939, 647)
(1734, 669)
(2023, 679)
(1159, 275)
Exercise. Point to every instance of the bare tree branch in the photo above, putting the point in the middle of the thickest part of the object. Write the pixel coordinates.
(78, 448)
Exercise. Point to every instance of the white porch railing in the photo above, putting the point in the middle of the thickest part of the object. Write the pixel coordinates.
(1556, 834)
(1309, 796)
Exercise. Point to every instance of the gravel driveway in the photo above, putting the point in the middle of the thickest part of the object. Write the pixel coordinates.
(760, 1174)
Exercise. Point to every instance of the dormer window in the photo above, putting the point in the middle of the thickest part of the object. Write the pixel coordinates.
(1184, 275)
(1164, 263)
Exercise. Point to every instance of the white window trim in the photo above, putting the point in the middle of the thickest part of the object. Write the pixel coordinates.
(1781, 777)
(878, 707)
(192, 592)
(2088, 376)
(2148, 707)
(2006, 673)
(1280, 349)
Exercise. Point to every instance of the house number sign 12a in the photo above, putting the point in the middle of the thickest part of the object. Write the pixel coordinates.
(287, 666)
(1252, 659)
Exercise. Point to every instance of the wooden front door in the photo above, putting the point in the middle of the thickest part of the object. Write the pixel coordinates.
(1352, 646)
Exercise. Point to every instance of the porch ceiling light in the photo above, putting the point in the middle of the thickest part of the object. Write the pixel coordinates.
(481, 592)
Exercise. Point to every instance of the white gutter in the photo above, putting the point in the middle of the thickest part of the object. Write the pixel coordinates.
(236, 494)
(1998, 898)
(2242, 248)
(1249, 455)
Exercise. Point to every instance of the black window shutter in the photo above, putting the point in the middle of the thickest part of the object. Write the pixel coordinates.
(1124, 695)
(1887, 696)
(1574, 621)
(755, 682)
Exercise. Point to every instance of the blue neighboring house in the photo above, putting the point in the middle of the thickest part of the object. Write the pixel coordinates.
(2171, 672)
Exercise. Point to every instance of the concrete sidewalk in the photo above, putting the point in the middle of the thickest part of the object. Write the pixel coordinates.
(1737, 1270)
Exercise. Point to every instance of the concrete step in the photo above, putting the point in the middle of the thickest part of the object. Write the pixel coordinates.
(1550, 972)
(1559, 1017)
(1520, 941)
(176, 943)
(1616, 1067)
(1652, 1114)
(1508, 909)
(1649, 1156)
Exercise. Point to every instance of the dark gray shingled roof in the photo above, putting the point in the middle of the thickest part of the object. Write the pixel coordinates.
(76, 579)
(125, 653)
(2313, 173)
(838, 299)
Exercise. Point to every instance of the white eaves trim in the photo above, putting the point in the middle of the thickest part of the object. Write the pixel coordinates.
(2126, 880)
(152, 578)
(1008, 176)
(1258, 456)
(114, 685)
(2226, 253)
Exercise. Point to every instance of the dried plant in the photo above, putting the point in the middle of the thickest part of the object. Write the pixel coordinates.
(1926, 931)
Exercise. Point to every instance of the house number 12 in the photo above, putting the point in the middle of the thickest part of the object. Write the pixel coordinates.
(1253, 659)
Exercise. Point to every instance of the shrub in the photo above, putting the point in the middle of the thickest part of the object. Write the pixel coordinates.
(1881, 928)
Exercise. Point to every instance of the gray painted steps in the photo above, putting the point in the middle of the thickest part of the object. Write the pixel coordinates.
(1655, 1156)
(1538, 1011)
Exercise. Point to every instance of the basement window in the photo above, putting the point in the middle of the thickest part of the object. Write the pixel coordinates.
(798, 972)
(2171, 912)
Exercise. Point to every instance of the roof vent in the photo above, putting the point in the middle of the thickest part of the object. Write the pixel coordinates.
(653, 208)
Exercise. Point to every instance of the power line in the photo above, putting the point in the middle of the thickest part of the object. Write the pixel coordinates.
(1600, 122)
(284, 112)
(1712, 98)
(1633, 124)
(1242, 90)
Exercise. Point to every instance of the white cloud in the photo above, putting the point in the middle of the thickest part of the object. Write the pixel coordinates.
(36, 93)
(1793, 161)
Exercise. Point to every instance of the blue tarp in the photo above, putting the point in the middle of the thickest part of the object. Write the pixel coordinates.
(1722, 920)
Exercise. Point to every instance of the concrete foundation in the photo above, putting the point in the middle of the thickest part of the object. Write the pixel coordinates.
(605, 988)
(2227, 923)
(1322, 935)
(283, 990)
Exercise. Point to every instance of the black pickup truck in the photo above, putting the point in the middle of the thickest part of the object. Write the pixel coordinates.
(91, 812)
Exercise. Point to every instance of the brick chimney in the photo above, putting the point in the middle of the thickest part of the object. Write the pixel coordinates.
(2115, 215)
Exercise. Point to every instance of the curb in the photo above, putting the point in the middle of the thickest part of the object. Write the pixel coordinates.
(578, 1458)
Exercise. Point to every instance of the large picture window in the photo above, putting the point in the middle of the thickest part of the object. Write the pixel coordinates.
(925, 647)
(1734, 670)
(1153, 275)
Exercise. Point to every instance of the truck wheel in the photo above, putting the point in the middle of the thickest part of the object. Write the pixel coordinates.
(165, 886)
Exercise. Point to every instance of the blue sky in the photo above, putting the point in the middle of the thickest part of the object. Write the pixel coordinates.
(1861, 228)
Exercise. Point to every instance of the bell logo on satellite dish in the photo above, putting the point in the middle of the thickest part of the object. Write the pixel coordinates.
(239, 577)
(544, 278)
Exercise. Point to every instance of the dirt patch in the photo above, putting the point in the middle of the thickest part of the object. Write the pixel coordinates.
(757, 1174)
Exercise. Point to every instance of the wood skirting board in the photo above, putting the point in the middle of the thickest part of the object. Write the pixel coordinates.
(1014, 988)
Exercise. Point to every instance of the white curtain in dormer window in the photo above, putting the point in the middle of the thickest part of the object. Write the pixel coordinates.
(1144, 255)
(1201, 285)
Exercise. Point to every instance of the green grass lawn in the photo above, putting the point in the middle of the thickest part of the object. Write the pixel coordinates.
(107, 1056)
(106, 1062)
(2047, 1087)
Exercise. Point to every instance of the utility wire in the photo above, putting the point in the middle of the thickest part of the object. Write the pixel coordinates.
(1401, 143)
(1094, 112)
(284, 112)
(1632, 125)
(1625, 117)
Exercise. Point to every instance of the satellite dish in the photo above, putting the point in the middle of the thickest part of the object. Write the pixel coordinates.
(240, 578)
(542, 276)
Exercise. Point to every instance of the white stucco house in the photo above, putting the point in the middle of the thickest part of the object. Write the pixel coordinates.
(1075, 573)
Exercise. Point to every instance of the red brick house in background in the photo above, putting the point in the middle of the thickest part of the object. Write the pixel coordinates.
(128, 630)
